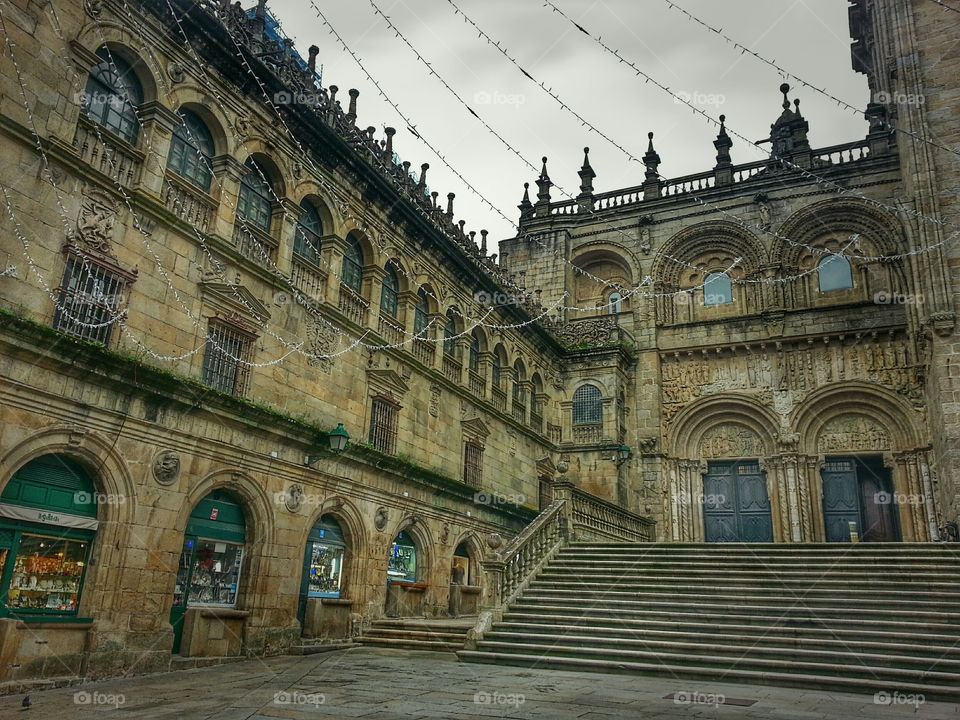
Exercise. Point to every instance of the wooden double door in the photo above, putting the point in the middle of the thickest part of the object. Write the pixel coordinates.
(858, 493)
(736, 504)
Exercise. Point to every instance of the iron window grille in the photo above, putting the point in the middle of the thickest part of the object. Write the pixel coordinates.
(473, 464)
(226, 359)
(89, 300)
(383, 425)
(587, 406)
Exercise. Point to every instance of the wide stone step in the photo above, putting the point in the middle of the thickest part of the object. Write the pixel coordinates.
(855, 640)
(398, 633)
(811, 607)
(694, 566)
(716, 621)
(778, 675)
(897, 666)
(411, 644)
(735, 649)
(737, 595)
(871, 583)
(946, 591)
(825, 617)
(796, 548)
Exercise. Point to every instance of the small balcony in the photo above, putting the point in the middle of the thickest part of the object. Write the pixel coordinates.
(105, 152)
(309, 279)
(587, 434)
(499, 399)
(478, 384)
(452, 368)
(424, 351)
(390, 330)
(255, 244)
(188, 202)
(536, 422)
(352, 305)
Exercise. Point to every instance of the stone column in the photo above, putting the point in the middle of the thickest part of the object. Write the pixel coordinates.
(290, 215)
(229, 171)
(159, 123)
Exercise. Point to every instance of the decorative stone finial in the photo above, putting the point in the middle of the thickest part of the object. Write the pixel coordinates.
(543, 194)
(525, 206)
(651, 160)
(352, 111)
(450, 197)
(312, 62)
(723, 144)
(586, 175)
(483, 242)
(388, 151)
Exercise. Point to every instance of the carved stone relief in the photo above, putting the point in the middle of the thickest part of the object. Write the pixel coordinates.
(730, 440)
(95, 222)
(321, 342)
(852, 432)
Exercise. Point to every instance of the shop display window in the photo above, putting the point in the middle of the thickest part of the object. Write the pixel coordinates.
(402, 563)
(47, 574)
(209, 573)
(324, 570)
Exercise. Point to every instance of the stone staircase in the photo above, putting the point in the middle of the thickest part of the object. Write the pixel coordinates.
(862, 618)
(419, 634)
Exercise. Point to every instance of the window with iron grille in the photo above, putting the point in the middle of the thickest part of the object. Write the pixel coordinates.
(226, 359)
(473, 464)
(587, 406)
(383, 425)
(89, 300)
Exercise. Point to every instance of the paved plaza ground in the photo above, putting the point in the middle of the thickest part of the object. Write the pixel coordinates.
(397, 684)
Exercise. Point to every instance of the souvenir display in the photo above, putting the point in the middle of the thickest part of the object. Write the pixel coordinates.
(46, 574)
(209, 573)
(324, 570)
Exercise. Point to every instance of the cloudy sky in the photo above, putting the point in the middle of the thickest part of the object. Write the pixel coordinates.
(808, 38)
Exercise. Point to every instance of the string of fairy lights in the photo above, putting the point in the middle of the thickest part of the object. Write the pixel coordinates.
(327, 186)
(744, 50)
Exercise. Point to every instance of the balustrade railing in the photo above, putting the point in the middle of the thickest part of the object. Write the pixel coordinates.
(572, 515)
(452, 368)
(587, 434)
(478, 384)
(424, 351)
(352, 305)
(536, 422)
(254, 244)
(189, 203)
(499, 398)
(103, 151)
(519, 412)
(309, 279)
(390, 329)
(595, 519)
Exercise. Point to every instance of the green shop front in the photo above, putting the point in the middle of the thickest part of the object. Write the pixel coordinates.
(48, 527)
(323, 611)
(204, 614)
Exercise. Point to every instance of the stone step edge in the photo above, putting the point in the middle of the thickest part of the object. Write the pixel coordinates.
(951, 692)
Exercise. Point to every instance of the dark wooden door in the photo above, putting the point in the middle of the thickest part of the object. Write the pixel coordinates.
(736, 506)
(859, 491)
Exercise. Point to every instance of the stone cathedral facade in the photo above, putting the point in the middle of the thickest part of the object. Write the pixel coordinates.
(208, 266)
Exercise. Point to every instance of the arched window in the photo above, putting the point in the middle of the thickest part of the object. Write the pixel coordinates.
(254, 205)
(112, 94)
(402, 562)
(615, 303)
(834, 273)
(389, 291)
(212, 558)
(191, 150)
(322, 563)
(460, 572)
(49, 524)
(587, 406)
(519, 394)
(421, 313)
(497, 366)
(536, 390)
(717, 290)
(306, 241)
(352, 274)
(450, 333)
(474, 354)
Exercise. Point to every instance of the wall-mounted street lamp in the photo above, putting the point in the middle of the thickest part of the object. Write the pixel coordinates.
(338, 439)
(622, 454)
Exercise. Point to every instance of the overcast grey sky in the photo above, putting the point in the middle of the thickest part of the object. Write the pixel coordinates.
(809, 38)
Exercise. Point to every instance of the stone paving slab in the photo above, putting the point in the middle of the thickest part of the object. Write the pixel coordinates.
(387, 684)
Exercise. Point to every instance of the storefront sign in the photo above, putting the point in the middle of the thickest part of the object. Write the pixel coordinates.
(47, 517)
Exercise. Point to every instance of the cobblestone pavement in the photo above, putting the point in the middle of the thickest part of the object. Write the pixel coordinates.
(395, 684)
